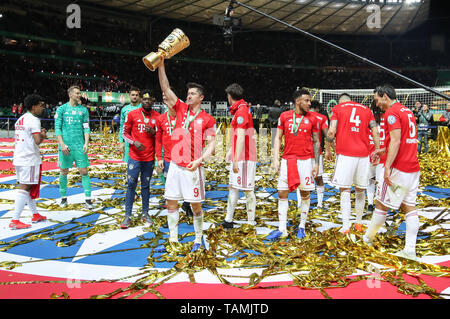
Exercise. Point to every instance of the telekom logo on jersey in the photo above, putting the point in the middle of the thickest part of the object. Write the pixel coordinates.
(141, 128)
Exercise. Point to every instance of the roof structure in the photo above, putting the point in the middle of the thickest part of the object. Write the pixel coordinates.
(315, 16)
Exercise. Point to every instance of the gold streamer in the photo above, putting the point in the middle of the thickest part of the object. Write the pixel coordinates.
(322, 260)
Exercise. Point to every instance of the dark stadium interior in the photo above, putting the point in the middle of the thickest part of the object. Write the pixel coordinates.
(41, 55)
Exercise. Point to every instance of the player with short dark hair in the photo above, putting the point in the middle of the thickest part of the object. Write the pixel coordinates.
(72, 132)
(242, 156)
(186, 177)
(27, 160)
(401, 170)
(322, 122)
(139, 131)
(350, 125)
(301, 134)
(134, 104)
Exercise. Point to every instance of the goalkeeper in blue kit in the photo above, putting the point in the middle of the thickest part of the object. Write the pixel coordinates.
(72, 131)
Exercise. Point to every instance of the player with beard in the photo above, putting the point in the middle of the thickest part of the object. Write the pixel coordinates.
(401, 170)
(302, 145)
(350, 125)
(134, 104)
(139, 131)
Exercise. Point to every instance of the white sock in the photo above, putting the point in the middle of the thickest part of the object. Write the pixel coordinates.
(346, 207)
(299, 198)
(283, 206)
(172, 220)
(320, 190)
(198, 228)
(378, 219)
(251, 206)
(32, 206)
(370, 192)
(22, 198)
(233, 197)
(360, 201)
(412, 228)
(304, 209)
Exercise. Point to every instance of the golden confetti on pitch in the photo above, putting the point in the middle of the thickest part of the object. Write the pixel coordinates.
(320, 261)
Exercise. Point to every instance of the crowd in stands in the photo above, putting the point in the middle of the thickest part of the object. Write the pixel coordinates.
(277, 63)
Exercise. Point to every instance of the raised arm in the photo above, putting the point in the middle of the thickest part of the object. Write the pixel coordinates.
(165, 86)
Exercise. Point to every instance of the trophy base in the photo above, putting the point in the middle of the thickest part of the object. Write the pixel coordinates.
(152, 60)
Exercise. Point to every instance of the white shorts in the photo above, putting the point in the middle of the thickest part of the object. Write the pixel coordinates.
(245, 178)
(320, 173)
(403, 191)
(373, 172)
(304, 168)
(350, 171)
(379, 173)
(182, 184)
(28, 174)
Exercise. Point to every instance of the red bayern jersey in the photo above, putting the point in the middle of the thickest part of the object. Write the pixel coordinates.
(299, 146)
(188, 143)
(382, 134)
(166, 126)
(352, 135)
(400, 117)
(134, 130)
(383, 138)
(243, 119)
(322, 122)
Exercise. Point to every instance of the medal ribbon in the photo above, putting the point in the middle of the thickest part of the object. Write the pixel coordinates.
(295, 125)
(146, 120)
(188, 122)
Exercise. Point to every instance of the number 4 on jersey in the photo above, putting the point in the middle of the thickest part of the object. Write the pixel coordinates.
(354, 118)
